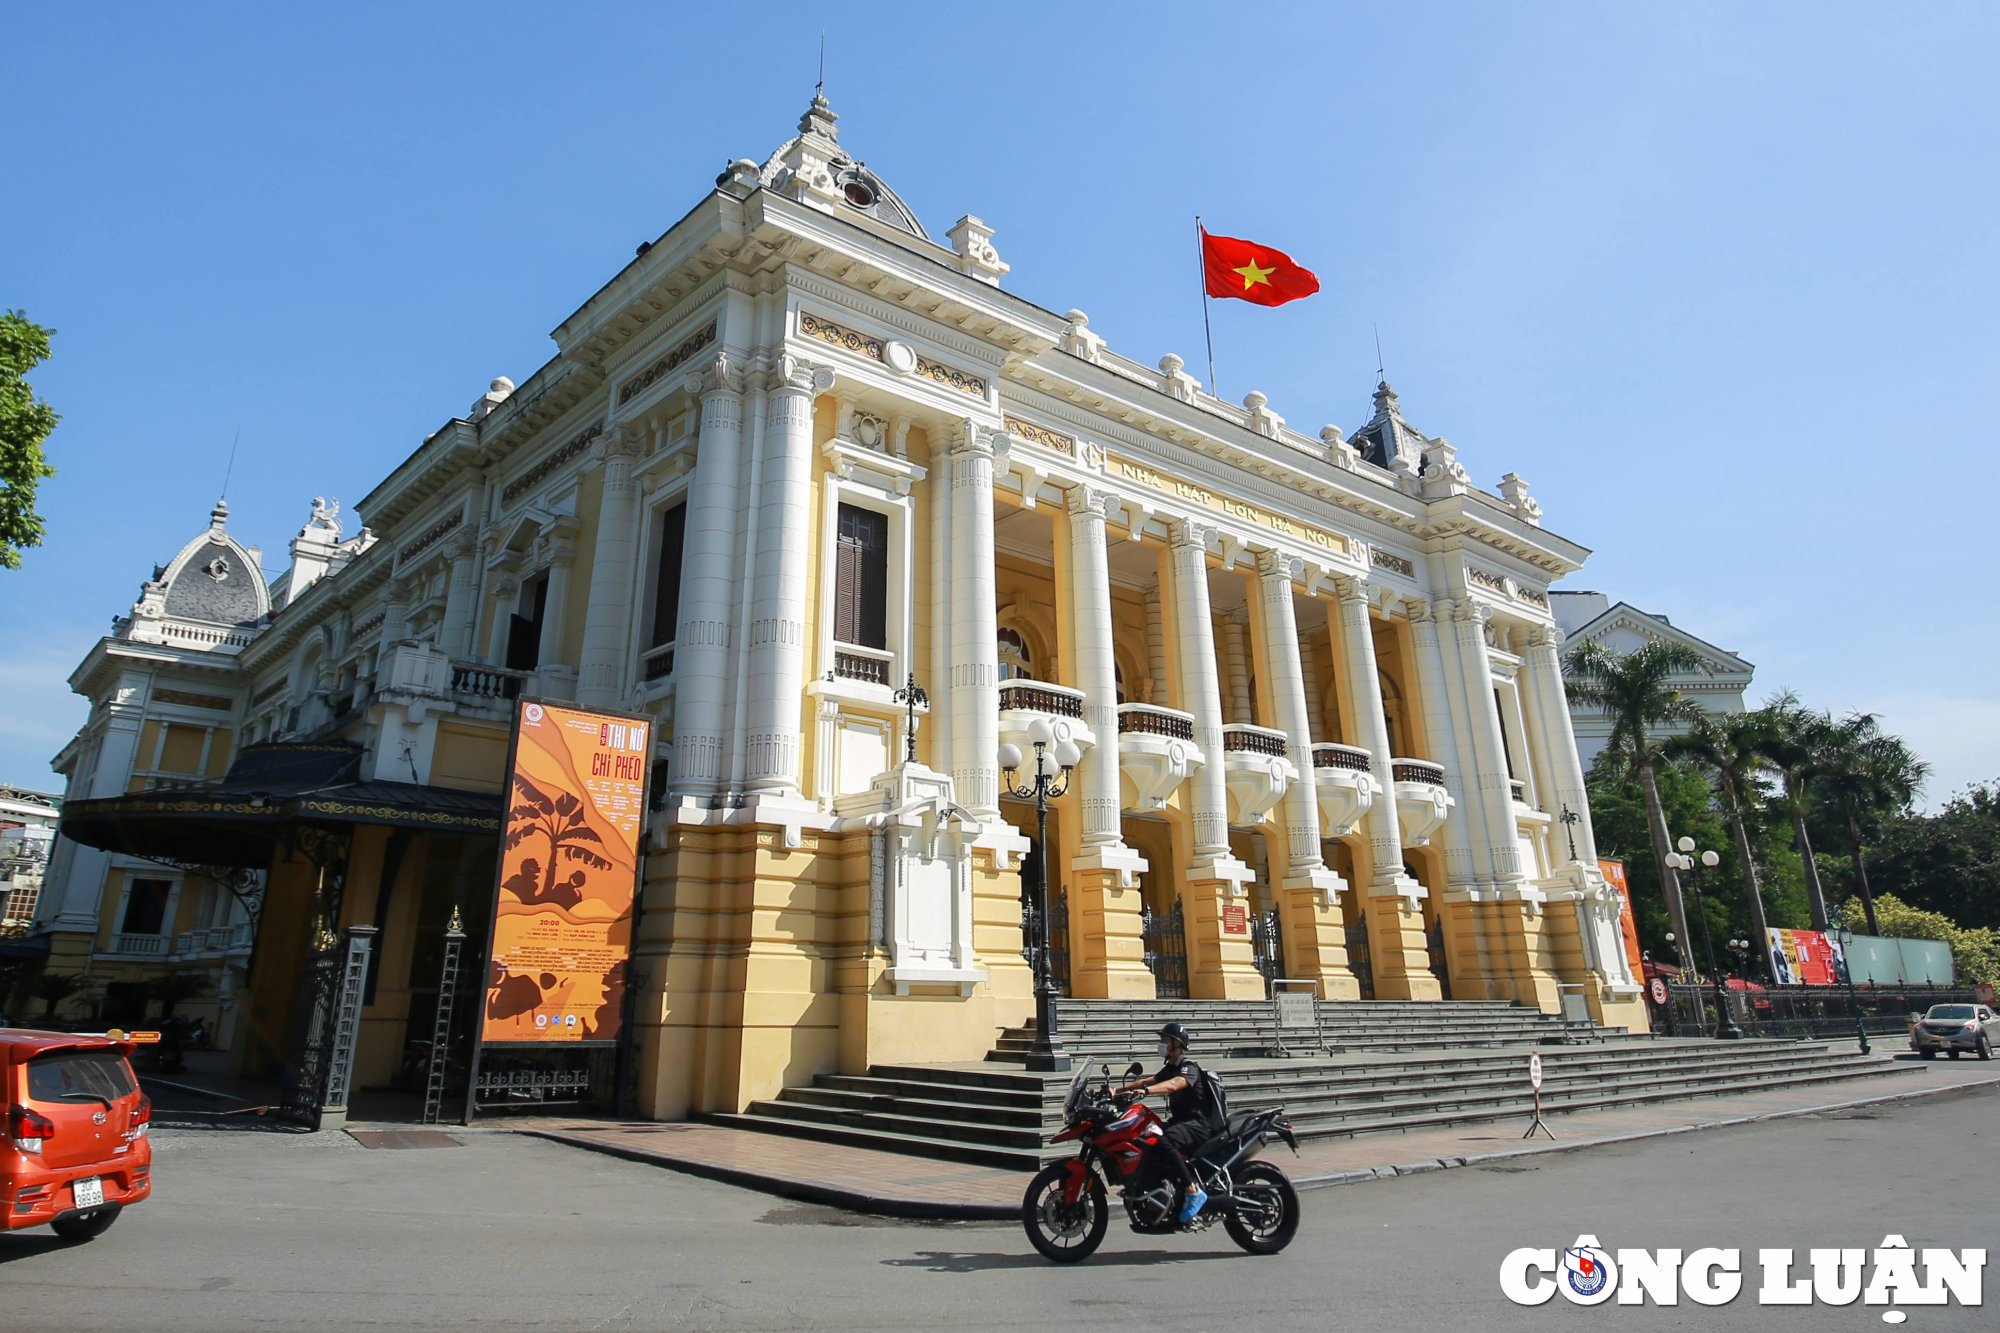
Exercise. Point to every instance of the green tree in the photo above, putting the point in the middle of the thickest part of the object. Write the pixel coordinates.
(1947, 862)
(25, 421)
(1863, 773)
(52, 988)
(1635, 691)
(1733, 748)
(1975, 952)
(177, 988)
(1799, 743)
(1619, 814)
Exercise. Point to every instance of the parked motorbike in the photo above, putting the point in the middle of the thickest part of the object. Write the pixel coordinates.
(1123, 1145)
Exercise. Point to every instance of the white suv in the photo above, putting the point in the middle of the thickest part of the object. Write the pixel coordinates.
(1955, 1028)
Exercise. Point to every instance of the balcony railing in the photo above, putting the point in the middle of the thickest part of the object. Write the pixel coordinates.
(1329, 755)
(1034, 696)
(139, 944)
(1244, 738)
(870, 666)
(215, 939)
(485, 682)
(657, 663)
(1417, 770)
(1152, 720)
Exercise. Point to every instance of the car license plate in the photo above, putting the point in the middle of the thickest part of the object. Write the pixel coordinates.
(89, 1191)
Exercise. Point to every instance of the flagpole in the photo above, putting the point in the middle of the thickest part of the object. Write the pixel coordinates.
(1201, 256)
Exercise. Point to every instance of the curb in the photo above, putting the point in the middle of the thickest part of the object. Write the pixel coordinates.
(788, 1187)
(1360, 1174)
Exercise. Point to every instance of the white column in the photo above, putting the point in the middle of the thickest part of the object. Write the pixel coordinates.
(395, 613)
(1236, 652)
(1096, 666)
(460, 600)
(1542, 666)
(554, 676)
(1371, 732)
(939, 580)
(1444, 746)
(1284, 678)
(778, 614)
(708, 577)
(607, 616)
(1489, 747)
(506, 590)
(1194, 635)
(975, 650)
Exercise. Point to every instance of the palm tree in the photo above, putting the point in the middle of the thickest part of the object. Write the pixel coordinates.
(1733, 747)
(1863, 771)
(52, 988)
(1635, 691)
(1799, 744)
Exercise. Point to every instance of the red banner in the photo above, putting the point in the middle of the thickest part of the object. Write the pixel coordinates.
(1805, 958)
(568, 876)
(1614, 875)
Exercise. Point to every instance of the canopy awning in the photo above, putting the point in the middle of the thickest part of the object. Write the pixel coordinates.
(270, 791)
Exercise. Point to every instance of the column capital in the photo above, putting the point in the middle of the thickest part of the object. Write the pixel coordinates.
(720, 376)
(1085, 499)
(1546, 636)
(1186, 532)
(975, 438)
(1351, 588)
(1278, 565)
(792, 374)
(1470, 611)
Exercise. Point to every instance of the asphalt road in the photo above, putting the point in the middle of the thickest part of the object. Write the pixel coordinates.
(256, 1229)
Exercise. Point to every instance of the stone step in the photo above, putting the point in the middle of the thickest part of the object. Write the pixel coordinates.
(951, 1150)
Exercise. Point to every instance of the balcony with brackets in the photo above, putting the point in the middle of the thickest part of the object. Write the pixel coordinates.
(1156, 753)
(1256, 771)
(1057, 707)
(1422, 801)
(1344, 776)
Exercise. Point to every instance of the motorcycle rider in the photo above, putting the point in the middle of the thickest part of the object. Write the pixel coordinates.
(1190, 1122)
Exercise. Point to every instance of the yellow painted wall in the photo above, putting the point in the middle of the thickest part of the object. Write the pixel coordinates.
(182, 752)
(470, 758)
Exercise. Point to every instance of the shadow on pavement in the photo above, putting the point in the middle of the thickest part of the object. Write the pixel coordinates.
(957, 1261)
(16, 1246)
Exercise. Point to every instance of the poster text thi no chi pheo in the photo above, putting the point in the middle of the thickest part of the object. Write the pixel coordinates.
(569, 862)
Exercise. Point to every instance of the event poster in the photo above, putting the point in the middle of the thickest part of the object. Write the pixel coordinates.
(1806, 958)
(1614, 875)
(568, 876)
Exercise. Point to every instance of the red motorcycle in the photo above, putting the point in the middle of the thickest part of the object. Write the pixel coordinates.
(1067, 1207)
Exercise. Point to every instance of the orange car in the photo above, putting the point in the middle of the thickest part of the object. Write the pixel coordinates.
(76, 1152)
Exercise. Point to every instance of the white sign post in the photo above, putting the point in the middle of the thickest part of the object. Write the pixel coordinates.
(1535, 1082)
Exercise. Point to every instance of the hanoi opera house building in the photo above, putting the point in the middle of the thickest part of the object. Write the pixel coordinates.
(796, 455)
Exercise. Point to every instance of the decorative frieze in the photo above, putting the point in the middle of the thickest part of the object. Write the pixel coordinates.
(812, 326)
(951, 377)
(1533, 596)
(666, 365)
(1042, 435)
(1119, 466)
(1392, 562)
(214, 702)
(1481, 578)
(438, 532)
(370, 625)
(541, 471)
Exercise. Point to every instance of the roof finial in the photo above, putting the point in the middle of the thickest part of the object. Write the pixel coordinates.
(1381, 375)
(819, 89)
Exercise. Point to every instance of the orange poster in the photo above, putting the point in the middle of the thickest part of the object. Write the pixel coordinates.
(569, 871)
(1614, 875)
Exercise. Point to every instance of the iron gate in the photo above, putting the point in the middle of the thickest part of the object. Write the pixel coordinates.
(1357, 958)
(1166, 951)
(1059, 941)
(1440, 965)
(1267, 943)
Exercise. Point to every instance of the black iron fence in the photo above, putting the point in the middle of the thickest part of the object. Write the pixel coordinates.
(1267, 943)
(1358, 961)
(1166, 951)
(1800, 1011)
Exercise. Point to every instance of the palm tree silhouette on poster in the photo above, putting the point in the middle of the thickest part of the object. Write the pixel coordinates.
(560, 819)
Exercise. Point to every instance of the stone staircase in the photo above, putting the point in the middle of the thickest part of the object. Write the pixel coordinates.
(1392, 1067)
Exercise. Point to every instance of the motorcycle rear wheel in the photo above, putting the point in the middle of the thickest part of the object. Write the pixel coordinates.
(1268, 1216)
(1063, 1232)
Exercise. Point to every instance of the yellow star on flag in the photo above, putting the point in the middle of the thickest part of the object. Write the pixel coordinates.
(1252, 275)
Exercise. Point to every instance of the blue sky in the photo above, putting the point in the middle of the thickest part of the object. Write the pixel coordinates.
(1719, 280)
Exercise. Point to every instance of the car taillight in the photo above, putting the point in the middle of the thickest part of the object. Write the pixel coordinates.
(29, 1130)
(142, 1114)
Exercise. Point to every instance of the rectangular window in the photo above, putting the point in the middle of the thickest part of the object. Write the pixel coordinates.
(667, 588)
(861, 578)
(524, 633)
(146, 907)
(1506, 740)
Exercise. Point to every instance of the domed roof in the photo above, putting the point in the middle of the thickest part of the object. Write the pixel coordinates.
(214, 578)
(812, 165)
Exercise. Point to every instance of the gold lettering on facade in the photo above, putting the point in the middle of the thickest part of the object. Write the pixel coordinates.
(1200, 495)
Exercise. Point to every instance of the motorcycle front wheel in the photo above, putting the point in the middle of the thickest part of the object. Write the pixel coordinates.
(1067, 1233)
(1266, 1214)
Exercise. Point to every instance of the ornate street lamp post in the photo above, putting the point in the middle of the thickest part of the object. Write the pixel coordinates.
(1847, 975)
(1047, 1053)
(1725, 1023)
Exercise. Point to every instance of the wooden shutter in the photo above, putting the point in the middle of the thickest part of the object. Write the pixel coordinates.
(667, 585)
(861, 578)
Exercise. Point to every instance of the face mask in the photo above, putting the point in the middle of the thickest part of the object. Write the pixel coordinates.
(1163, 1048)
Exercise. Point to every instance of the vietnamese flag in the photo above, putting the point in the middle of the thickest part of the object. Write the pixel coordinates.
(1252, 272)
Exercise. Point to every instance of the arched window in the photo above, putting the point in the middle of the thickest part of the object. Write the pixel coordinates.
(1016, 662)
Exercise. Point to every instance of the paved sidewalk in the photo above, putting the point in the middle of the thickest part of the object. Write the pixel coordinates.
(865, 1180)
